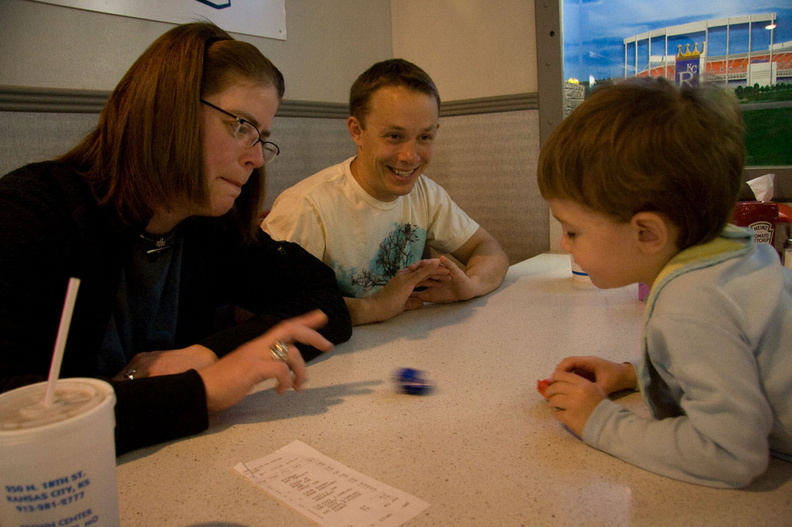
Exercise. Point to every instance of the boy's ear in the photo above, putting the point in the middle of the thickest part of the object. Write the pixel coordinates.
(653, 232)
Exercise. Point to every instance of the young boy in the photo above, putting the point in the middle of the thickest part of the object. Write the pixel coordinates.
(643, 177)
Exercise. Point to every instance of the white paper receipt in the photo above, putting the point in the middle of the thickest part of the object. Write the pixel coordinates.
(328, 492)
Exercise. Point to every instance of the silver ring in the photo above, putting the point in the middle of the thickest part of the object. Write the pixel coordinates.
(130, 374)
(280, 351)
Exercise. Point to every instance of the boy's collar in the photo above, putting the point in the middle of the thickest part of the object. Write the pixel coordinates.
(731, 240)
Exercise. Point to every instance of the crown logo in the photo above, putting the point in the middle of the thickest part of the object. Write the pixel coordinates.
(687, 53)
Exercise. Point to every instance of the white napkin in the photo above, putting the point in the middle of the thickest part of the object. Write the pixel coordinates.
(762, 187)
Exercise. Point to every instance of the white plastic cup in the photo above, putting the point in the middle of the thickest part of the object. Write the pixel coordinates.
(580, 278)
(57, 463)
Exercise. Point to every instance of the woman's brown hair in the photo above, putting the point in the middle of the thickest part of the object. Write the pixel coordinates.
(146, 149)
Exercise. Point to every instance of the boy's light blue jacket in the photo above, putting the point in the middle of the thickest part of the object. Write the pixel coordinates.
(716, 368)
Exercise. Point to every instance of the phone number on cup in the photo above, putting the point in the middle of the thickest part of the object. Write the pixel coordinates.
(51, 504)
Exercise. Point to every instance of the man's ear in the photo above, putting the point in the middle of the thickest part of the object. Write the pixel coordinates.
(355, 129)
(653, 232)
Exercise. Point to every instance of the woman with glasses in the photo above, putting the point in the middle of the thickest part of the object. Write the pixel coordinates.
(155, 211)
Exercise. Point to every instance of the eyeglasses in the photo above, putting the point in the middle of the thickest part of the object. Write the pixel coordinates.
(248, 135)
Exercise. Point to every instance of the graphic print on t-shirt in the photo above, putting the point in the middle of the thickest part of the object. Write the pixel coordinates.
(401, 247)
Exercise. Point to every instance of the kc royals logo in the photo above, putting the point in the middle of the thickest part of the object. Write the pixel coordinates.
(688, 65)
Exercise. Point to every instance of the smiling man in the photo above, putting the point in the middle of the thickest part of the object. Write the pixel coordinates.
(374, 217)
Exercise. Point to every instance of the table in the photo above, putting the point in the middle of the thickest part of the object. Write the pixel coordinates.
(482, 449)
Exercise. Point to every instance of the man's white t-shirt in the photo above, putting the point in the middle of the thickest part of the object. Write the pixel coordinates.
(364, 240)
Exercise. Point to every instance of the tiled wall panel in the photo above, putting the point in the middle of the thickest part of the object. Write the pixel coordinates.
(486, 161)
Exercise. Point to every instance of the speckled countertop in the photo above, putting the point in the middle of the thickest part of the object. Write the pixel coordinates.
(483, 448)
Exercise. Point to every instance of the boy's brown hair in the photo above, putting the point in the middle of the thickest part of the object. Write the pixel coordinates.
(147, 148)
(643, 144)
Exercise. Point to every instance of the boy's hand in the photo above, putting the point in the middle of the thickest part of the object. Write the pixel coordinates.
(575, 398)
(579, 384)
(610, 376)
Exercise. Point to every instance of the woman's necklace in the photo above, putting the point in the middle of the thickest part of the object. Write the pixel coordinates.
(165, 242)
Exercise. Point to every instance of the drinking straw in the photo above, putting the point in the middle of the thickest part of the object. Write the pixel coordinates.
(60, 340)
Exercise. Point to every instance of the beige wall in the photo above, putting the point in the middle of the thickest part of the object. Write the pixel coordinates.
(329, 43)
(471, 48)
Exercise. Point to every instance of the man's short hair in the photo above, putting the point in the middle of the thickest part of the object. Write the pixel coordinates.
(392, 72)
